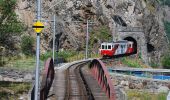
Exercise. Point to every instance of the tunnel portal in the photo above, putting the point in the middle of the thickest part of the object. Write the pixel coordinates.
(134, 43)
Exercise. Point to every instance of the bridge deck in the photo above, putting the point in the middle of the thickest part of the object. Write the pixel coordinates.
(57, 91)
(58, 87)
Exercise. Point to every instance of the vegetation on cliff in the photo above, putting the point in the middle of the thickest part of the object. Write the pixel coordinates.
(167, 28)
(101, 34)
(165, 2)
(166, 61)
(10, 26)
(27, 44)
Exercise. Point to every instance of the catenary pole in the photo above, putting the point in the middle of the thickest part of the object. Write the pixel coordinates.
(87, 39)
(36, 97)
(53, 36)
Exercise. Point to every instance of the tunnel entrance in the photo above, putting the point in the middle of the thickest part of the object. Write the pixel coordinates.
(134, 43)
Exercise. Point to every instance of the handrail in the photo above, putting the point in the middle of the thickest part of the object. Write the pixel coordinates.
(101, 74)
(47, 79)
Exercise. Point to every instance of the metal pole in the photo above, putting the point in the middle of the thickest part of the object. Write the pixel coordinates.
(36, 97)
(87, 36)
(53, 37)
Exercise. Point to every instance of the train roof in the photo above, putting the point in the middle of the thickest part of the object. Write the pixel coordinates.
(121, 41)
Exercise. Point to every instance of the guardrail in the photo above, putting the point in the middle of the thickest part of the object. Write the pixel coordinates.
(47, 80)
(100, 73)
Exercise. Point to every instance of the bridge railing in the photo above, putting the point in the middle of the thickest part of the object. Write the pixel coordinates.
(46, 81)
(101, 74)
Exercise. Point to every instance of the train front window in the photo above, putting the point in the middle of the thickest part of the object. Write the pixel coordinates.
(130, 45)
(102, 46)
(105, 47)
(109, 46)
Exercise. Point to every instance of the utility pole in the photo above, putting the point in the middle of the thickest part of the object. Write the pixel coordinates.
(54, 23)
(87, 38)
(38, 26)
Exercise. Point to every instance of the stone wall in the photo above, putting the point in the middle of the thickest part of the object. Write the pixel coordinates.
(132, 82)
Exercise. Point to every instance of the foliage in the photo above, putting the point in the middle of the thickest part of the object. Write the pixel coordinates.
(166, 61)
(131, 62)
(102, 33)
(167, 28)
(9, 25)
(27, 44)
(63, 54)
(136, 95)
(46, 55)
(12, 90)
(21, 63)
(154, 64)
(165, 2)
(67, 55)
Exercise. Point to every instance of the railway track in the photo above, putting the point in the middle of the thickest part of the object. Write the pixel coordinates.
(75, 82)
(75, 86)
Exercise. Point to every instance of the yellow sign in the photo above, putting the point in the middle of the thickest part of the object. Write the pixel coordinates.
(38, 26)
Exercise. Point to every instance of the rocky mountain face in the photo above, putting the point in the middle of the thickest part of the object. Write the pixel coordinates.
(72, 16)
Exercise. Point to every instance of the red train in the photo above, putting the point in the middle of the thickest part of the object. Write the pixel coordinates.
(110, 49)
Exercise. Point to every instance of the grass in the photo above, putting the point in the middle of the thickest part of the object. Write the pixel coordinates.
(21, 63)
(12, 91)
(137, 95)
(154, 64)
(131, 62)
(69, 56)
(28, 63)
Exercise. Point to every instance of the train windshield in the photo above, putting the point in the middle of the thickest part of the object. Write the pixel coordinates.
(109, 46)
(102, 47)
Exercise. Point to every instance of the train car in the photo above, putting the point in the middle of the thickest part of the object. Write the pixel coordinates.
(111, 49)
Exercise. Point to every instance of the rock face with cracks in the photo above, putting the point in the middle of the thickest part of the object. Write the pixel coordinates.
(115, 14)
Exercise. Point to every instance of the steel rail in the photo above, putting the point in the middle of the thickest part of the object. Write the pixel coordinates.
(83, 94)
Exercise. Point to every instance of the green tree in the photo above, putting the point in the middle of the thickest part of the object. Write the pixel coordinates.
(167, 2)
(166, 61)
(167, 28)
(102, 33)
(27, 44)
(9, 25)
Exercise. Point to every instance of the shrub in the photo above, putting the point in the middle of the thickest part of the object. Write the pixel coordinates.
(167, 28)
(131, 63)
(154, 64)
(27, 44)
(10, 26)
(46, 55)
(166, 61)
(165, 2)
(101, 33)
(63, 54)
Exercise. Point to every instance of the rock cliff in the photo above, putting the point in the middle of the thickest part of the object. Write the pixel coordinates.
(73, 14)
